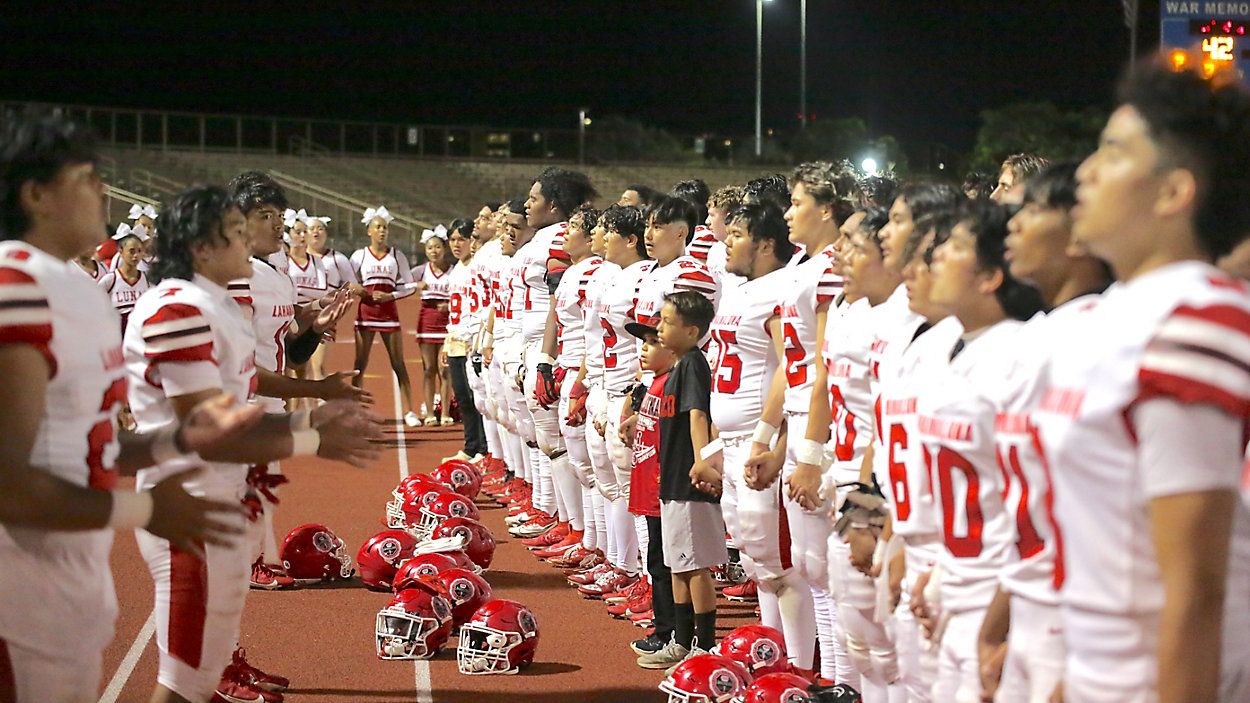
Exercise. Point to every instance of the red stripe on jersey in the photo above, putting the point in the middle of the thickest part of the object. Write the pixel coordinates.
(783, 535)
(697, 281)
(188, 606)
(169, 313)
(18, 255)
(173, 311)
(1231, 316)
(37, 336)
(12, 275)
(1157, 384)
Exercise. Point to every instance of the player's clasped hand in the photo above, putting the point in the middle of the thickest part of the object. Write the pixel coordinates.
(762, 467)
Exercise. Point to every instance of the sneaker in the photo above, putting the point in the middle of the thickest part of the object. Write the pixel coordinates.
(640, 588)
(230, 691)
(648, 645)
(549, 538)
(258, 678)
(269, 578)
(588, 576)
(411, 419)
(535, 527)
(607, 583)
(458, 456)
(577, 558)
(745, 591)
(642, 618)
(618, 610)
(668, 655)
(560, 548)
(694, 652)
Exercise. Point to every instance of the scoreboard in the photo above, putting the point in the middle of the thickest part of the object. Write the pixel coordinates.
(1213, 37)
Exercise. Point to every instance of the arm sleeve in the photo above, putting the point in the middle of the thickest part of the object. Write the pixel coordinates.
(178, 344)
(696, 383)
(1187, 448)
(301, 348)
(404, 286)
(25, 315)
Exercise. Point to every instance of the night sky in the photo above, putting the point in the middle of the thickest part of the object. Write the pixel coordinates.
(919, 70)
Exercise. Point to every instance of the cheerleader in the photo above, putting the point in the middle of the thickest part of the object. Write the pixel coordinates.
(433, 281)
(126, 282)
(144, 218)
(384, 272)
(306, 269)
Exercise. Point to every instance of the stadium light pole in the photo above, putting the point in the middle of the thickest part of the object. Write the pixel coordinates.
(582, 122)
(759, 76)
(803, 64)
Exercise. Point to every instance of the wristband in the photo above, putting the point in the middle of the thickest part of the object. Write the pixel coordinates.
(165, 446)
(305, 442)
(488, 339)
(130, 510)
(711, 449)
(301, 420)
(765, 433)
(809, 451)
(545, 358)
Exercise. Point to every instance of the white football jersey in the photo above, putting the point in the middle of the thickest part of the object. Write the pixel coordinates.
(685, 273)
(50, 305)
(100, 270)
(437, 285)
(617, 307)
(185, 337)
(1030, 570)
(956, 412)
(310, 280)
(745, 360)
(899, 464)
(388, 273)
(700, 246)
(717, 259)
(338, 268)
(268, 300)
(813, 283)
(1181, 332)
(529, 283)
(845, 352)
(123, 293)
(592, 326)
(570, 303)
(462, 302)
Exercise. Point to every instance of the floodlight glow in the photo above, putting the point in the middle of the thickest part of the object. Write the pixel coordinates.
(869, 165)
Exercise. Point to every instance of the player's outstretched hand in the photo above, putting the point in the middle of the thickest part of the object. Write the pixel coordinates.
(214, 423)
(349, 432)
(330, 315)
(339, 385)
(189, 522)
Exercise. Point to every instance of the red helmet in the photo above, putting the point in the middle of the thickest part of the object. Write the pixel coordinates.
(429, 565)
(500, 638)
(405, 508)
(467, 590)
(463, 477)
(706, 678)
(417, 622)
(443, 506)
(778, 688)
(313, 553)
(759, 648)
(466, 534)
(380, 556)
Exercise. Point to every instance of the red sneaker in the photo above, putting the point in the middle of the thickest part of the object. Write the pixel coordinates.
(587, 576)
(639, 587)
(642, 619)
(560, 548)
(539, 525)
(255, 677)
(549, 538)
(267, 577)
(236, 686)
(578, 558)
(607, 583)
(745, 591)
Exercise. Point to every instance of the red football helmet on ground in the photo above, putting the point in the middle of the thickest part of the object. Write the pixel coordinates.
(312, 553)
(467, 590)
(706, 678)
(430, 565)
(404, 510)
(417, 622)
(761, 649)
(380, 556)
(469, 536)
(500, 638)
(443, 506)
(463, 477)
(778, 688)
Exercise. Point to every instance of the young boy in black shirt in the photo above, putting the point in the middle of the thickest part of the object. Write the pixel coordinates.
(690, 520)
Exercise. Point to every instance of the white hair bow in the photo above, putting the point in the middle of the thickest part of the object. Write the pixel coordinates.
(124, 230)
(439, 232)
(309, 219)
(137, 211)
(379, 211)
(290, 217)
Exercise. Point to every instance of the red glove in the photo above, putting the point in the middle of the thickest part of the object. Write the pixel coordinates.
(546, 390)
(577, 405)
(259, 478)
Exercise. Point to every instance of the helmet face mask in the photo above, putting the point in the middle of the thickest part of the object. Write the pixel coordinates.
(500, 638)
(416, 624)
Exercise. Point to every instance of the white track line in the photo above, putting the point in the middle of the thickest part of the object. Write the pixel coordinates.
(421, 675)
(122, 675)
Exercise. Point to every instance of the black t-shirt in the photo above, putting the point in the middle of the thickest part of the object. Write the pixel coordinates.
(689, 387)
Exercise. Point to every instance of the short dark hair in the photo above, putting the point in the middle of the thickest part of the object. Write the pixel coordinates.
(1054, 187)
(121, 243)
(668, 209)
(874, 219)
(492, 205)
(646, 194)
(765, 223)
(988, 222)
(566, 189)
(516, 206)
(35, 146)
(697, 192)
(626, 220)
(692, 308)
(194, 216)
(924, 197)
(589, 215)
(773, 188)
(1203, 127)
(1024, 166)
(252, 189)
(829, 184)
(979, 183)
(462, 227)
(878, 191)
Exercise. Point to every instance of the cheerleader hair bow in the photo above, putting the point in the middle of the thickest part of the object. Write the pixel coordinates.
(309, 219)
(290, 217)
(379, 211)
(124, 230)
(137, 211)
(439, 232)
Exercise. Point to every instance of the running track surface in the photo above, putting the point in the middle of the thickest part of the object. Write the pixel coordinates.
(322, 637)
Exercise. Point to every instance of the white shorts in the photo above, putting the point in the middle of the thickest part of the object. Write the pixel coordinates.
(694, 535)
(199, 605)
(1035, 653)
(958, 674)
(28, 676)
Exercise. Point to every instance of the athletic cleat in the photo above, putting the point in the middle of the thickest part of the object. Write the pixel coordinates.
(648, 645)
(588, 576)
(535, 527)
(607, 583)
(558, 549)
(233, 688)
(549, 538)
(640, 587)
(257, 678)
(578, 557)
(268, 578)
(745, 591)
